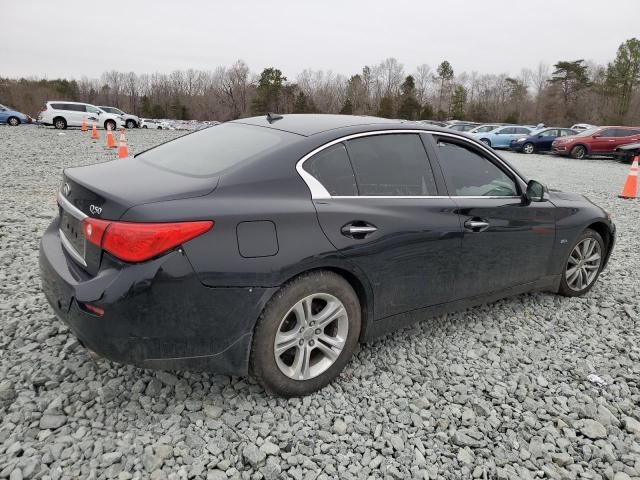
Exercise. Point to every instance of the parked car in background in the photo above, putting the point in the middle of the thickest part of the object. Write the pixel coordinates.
(434, 122)
(462, 127)
(62, 114)
(13, 117)
(501, 137)
(272, 245)
(582, 126)
(540, 140)
(487, 127)
(148, 123)
(625, 153)
(130, 121)
(596, 141)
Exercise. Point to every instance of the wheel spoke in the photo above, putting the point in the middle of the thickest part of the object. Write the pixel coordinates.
(300, 367)
(572, 276)
(592, 267)
(329, 313)
(593, 258)
(573, 260)
(285, 341)
(336, 342)
(327, 351)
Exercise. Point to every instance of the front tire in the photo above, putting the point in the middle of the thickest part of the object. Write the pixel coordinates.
(578, 152)
(583, 265)
(528, 148)
(59, 123)
(144, 126)
(110, 123)
(131, 124)
(306, 334)
(13, 121)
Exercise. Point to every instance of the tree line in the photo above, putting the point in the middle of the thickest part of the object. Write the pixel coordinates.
(567, 92)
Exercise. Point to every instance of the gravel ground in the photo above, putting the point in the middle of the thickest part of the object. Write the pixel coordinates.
(535, 386)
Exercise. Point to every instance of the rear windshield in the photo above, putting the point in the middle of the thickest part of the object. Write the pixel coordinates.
(208, 152)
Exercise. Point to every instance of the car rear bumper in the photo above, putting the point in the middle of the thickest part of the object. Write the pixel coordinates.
(516, 147)
(157, 314)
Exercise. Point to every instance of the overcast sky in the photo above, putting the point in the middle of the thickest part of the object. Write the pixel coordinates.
(75, 38)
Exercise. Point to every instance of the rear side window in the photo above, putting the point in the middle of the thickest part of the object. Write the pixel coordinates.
(470, 174)
(508, 130)
(522, 130)
(57, 106)
(74, 107)
(626, 132)
(210, 151)
(332, 169)
(391, 165)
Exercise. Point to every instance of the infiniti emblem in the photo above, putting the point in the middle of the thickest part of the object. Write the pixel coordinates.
(95, 210)
(66, 189)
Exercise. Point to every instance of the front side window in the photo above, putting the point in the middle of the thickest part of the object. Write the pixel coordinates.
(506, 131)
(608, 132)
(91, 109)
(524, 131)
(469, 174)
(550, 133)
(391, 165)
(331, 167)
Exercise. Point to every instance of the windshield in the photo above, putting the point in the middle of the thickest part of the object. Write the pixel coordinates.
(209, 151)
(588, 132)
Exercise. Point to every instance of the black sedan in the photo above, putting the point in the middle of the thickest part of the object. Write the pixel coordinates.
(272, 245)
(540, 140)
(626, 153)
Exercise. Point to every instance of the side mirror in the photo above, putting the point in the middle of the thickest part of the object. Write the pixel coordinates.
(535, 191)
(540, 136)
(597, 135)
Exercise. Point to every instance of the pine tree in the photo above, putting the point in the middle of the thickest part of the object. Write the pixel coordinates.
(623, 76)
(458, 102)
(572, 77)
(445, 75)
(386, 107)
(409, 106)
(347, 108)
(268, 91)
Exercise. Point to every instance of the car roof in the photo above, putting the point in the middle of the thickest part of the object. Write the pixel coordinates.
(310, 124)
(73, 103)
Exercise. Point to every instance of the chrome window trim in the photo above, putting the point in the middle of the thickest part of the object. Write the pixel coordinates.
(353, 197)
(70, 250)
(319, 192)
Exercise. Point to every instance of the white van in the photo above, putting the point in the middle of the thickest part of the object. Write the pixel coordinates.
(62, 114)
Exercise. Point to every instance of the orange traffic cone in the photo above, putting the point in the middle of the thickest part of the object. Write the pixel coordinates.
(630, 189)
(111, 143)
(94, 132)
(83, 128)
(123, 151)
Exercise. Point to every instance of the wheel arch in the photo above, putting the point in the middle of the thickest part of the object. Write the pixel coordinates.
(13, 116)
(604, 231)
(583, 145)
(357, 281)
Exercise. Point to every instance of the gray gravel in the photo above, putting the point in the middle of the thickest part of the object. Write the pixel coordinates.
(535, 386)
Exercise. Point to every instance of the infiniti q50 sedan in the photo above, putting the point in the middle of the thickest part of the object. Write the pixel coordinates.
(272, 245)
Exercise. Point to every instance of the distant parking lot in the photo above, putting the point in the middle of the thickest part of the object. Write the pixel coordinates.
(535, 386)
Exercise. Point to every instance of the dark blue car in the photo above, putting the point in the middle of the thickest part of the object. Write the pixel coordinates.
(539, 140)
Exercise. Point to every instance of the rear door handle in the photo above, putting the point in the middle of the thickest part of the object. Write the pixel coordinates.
(358, 230)
(476, 225)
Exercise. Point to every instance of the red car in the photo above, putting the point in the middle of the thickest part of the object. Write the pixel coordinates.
(595, 141)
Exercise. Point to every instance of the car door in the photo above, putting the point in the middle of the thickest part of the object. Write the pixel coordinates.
(506, 242)
(502, 137)
(603, 141)
(94, 114)
(385, 213)
(545, 139)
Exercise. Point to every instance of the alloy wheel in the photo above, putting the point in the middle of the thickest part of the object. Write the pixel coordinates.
(14, 122)
(311, 336)
(528, 148)
(583, 264)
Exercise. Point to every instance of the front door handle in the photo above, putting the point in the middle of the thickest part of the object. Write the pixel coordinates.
(358, 230)
(476, 225)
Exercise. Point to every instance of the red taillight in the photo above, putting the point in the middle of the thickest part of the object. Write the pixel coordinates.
(137, 242)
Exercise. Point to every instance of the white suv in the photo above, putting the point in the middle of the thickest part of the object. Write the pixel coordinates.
(130, 121)
(70, 114)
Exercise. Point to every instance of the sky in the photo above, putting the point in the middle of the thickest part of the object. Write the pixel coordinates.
(74, 38)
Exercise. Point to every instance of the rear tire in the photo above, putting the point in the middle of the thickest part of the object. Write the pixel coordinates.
(59, 123)
(313, 350)
(528, 148)
(486, 141)
(578, 152)
(131, 124)
(583, 265)
(13, 121)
